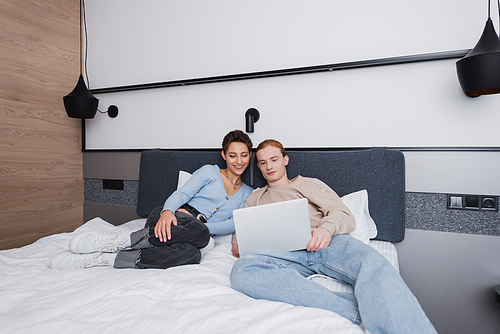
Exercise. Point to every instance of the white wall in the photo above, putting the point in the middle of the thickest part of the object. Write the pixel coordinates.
(453, 172)
(412, 105)
(147, 41)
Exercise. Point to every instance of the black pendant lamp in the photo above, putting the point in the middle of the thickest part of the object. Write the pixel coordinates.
(479, 71)
(80, 103)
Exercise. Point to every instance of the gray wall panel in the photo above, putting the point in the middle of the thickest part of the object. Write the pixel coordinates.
(453, 276)
(114, 214)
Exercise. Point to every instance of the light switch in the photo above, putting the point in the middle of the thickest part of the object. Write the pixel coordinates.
(472, 202)
(456, 201)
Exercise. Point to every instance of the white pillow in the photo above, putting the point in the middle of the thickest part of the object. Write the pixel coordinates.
(183, 177)
(357, 202)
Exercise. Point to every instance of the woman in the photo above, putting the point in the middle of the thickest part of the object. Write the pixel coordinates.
(174, 233)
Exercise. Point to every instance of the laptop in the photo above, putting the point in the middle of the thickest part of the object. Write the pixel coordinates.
(277, 227)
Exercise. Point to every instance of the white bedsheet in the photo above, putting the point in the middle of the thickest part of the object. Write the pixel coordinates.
(186, 299)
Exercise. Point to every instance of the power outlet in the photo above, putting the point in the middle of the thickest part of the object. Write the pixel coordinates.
(473, 202)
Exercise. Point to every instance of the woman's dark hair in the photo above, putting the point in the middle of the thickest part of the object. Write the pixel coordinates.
(236, 136)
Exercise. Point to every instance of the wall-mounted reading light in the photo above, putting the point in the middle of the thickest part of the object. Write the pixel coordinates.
(80, 103)
(479, 71)
(112, 111)
(251, 116)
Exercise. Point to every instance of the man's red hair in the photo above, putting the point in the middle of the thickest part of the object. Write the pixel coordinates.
(271, 142)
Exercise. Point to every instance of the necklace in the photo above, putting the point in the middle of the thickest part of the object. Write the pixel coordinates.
(234, 184)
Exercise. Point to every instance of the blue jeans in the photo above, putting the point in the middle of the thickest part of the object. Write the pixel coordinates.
(188, 236)
(381, 298)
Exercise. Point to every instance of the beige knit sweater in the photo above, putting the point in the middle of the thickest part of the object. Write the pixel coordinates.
(325, 207)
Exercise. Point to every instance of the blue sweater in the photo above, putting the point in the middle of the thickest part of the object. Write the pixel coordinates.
(205, 191)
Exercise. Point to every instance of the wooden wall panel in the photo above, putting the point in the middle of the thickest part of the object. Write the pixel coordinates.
(41, 181)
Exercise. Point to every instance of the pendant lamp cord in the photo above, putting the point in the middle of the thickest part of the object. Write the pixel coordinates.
(82, 4)
(80, 26)
(489, 9)
(86, 42)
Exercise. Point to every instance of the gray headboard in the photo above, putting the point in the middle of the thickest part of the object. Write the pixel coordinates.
(378, 170)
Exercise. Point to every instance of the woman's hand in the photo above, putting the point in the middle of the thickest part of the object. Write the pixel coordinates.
(321, 238)
(184, 211)
(234, 249)
(163, 226)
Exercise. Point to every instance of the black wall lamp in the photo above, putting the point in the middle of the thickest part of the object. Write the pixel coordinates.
(251, 117)
(479, 71)
(80, 103)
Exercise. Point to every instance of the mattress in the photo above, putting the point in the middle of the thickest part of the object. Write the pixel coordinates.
(185, 299)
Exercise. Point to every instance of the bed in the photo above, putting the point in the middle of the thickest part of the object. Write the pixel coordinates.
(195, 298)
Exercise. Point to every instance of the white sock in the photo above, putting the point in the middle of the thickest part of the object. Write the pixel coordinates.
(110, 257)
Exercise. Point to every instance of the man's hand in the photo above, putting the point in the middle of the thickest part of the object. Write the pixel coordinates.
(235, 250)
(162, 228)
(320, 239)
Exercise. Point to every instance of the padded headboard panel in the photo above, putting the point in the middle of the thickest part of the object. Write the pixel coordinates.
(159, 172)
(378, 170)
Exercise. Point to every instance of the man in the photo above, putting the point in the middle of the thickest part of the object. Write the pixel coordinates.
(381, 298)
